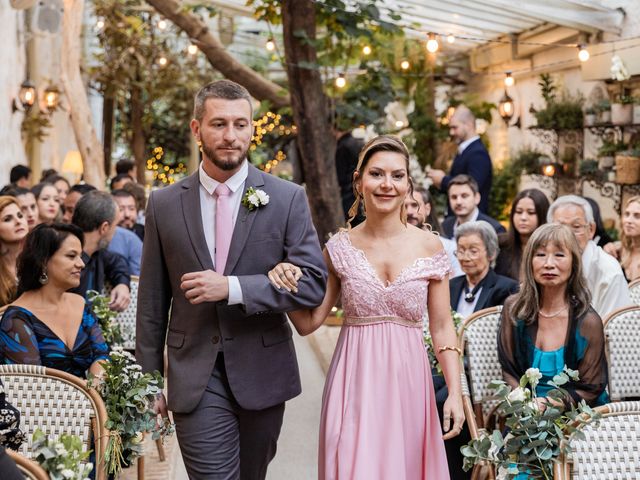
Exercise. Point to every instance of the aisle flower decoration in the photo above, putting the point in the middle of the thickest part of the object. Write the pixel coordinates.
(111, 331)
(534, 439)
(428, 341)
(62, 459)
(129, 396)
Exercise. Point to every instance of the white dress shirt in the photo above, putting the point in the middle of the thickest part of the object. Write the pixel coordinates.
(466, 308)
(473, 218)
(605, 280)
(463, 145)
(208, 210)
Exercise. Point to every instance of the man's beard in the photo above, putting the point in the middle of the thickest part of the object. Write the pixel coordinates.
(414, 220)
(219, 162)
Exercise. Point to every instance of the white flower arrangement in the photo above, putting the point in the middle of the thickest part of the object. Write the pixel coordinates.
(62, 459)
(254, 199)
(618, 69)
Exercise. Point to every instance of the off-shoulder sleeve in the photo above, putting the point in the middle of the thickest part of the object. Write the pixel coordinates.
(99, 346)
(18, 343)
(440, 266)
(507, 346)
(592, 363)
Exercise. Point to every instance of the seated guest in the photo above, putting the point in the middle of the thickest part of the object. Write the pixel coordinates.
(128, 212)
(48, 202)
(20, 176)
(61, 184)
(605, 280)
(69, 204)
(129, 246)
(127, 167)
(528, 212)
(480, 287)
(47, 325)
(10, 437)
(96, 214)
(550, 322)
(119, 181)
(464, 198)
(140, 195)
(27, 202)
(13, 230)
(627, 250)
(421, 213)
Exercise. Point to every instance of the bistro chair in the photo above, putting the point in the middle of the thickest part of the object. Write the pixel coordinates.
(127, 319)
(30, 469)
(634, 291)
(609, 449)
(622, 337)
(57, 402)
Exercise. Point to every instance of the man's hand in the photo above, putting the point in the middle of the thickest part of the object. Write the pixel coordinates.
(436, 176)
(120, 298)
(206, 286)
(160, 407)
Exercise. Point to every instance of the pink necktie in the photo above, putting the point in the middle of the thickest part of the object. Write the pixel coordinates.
(224, 226)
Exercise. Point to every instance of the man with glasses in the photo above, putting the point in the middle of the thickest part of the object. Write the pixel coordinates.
(605, 279)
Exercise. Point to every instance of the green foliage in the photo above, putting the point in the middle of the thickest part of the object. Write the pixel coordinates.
(62, 459)
(111, 330)
(527, 161)
(547, 88)
(129, 396)
(563, 114)
(428, 341)
(602, 106)
(535, 438)
(609, 148)
(504, 188)
(589, 169)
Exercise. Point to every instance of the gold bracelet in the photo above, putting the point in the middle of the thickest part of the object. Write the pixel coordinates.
(449, 347)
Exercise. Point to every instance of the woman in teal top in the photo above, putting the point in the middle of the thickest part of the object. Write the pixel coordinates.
(550, 323)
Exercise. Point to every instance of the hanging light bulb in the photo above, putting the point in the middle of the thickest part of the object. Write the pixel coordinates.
(162, 24)
(270, 45)
(583, 53)
(99, 25)
(405, 65)
(366, 50)
(162, 61)
(451, 38)
(341, 81)
(192, 49)
(432, 43)
(509, 80)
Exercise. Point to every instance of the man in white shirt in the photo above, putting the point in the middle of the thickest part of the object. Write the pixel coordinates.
(605, 279)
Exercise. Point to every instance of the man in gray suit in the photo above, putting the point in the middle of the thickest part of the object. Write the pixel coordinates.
(207, 249)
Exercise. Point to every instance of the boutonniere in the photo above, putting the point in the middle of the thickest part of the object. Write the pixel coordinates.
(254, 199)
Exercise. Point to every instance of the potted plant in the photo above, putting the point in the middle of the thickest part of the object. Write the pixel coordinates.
(622, 110)
(603, 110)
(590, 116)
(607, 153)
(628, 167)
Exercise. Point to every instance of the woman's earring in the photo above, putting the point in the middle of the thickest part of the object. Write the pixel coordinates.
(44, 279)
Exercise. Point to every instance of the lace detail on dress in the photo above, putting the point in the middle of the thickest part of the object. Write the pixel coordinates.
(365, 295)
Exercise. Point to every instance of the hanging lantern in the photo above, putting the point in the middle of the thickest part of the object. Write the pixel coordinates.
(51, 97)
(506, 108)
(27, 94)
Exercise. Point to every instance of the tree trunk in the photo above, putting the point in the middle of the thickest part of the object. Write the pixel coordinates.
(316, 142)
(198, 31)
(108, 111)
(76, 95)
(138, 139)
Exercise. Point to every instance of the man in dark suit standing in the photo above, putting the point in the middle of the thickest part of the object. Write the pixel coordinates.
(464, 199)
(472, 158)
(209, 242)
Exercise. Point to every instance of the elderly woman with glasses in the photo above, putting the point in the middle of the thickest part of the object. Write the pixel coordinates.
(480, 287)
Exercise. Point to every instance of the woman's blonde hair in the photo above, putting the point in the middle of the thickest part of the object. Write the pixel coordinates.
(8, 285)
(627, 242)
(381, 143)
(527, 303)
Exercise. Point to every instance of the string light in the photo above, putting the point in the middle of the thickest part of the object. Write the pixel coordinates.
(366, 50)
(509, 80)
(432, 43)
(270, 45)
(583, 53)
(192, 49)
(549, 170)
(164, 173)
(162, 24)
(99, 25)
(451, 38)
(341, 81)
(162, 61)
(405, 65)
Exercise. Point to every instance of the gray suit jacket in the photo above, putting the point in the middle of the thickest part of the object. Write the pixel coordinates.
(259, 355)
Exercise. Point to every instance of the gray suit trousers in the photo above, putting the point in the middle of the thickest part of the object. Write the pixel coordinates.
(219, 440)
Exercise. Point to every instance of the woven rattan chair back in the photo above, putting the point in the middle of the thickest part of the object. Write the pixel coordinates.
(56, 402)
(634, 291)
(609, 449)
(478, 340)
(30, 469)
(127, 319)
(622, 333)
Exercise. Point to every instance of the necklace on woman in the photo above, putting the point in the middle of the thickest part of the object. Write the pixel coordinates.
(551, 315)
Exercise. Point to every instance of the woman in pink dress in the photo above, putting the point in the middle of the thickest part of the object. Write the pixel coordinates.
(379, 418)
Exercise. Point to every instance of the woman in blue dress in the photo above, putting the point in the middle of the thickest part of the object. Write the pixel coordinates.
(47, 325)
(550, 322)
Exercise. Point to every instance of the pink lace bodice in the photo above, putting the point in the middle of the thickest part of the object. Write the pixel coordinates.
(365, 295)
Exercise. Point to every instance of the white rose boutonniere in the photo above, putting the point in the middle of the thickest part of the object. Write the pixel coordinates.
(254, 199)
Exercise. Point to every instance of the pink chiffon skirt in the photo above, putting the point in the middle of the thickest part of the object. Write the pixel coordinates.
(379, 417)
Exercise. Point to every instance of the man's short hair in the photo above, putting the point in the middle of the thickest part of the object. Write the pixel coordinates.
(124, 166)
(93, 209)
(82, 188)
(424, 193)
(122, 193)
(571, 200)
(117, 178)
(463, 179)
(19, 172)
(224, 89)
(14, 190)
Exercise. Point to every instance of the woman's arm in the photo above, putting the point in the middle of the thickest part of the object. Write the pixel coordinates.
(444, 335)
(285, 275)
(99, 347)
(18, 343)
